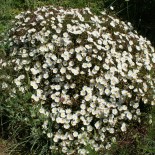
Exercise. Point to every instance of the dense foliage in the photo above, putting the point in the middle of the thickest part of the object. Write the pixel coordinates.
(89, 74)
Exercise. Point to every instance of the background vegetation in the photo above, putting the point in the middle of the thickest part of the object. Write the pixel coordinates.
(139, 12)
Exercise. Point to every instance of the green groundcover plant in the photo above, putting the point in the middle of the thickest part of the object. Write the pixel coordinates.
(87, 75)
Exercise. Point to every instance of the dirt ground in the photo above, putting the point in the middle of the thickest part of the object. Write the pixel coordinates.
(3, 147)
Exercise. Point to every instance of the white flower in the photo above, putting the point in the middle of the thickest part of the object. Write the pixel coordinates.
(129, 48)
(135, 105)
(79, 57)
(111, 130)
(58, 30)
(75, 71)
(45, 76)
(106, 111)
(69, 116)
(84, 65)
(83, 106)
(124, 92)
(54, 110)
(112, 23)
(94, 71)
(68, 111)
(53, 57)
(138, 112)
(107, 76)
(43, 49)
(88, 97)
(92, 104)
(73, 85)
(34, 85)
(66, 86)
(57, 99)
(153, 103)
(83, 112)
(39, 92)
(55, 36)
(82, 151)
(129, 115)
(5, 85)
(75, 117)
(71, 63)
(97, 125)
(90, 39)
(58, 120)
(63, 70)
(123, 127)
(89, 128)
(63, 115)
(124, 107)
(108, 146)
(31, 30)
(66, 126)
(107, 91)
(105, 66)
(88, 58)
(82, 93)
(49, 135)
(96, 68)
(75, 134)
(34, 71)
(89, 65)
(114, 111)
(74, 122)
(68, 76)
(111, 7)
(57, 87)
(55, 139)
(17, 82)
(55, 70)
(65, 35)
(95, 34)
(42, 110)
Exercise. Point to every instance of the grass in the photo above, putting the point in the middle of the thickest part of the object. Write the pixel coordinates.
(139, 141)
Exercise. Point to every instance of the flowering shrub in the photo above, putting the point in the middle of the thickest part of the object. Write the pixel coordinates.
(89, 73)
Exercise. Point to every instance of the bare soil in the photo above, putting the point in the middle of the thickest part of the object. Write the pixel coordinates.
(3, 147)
